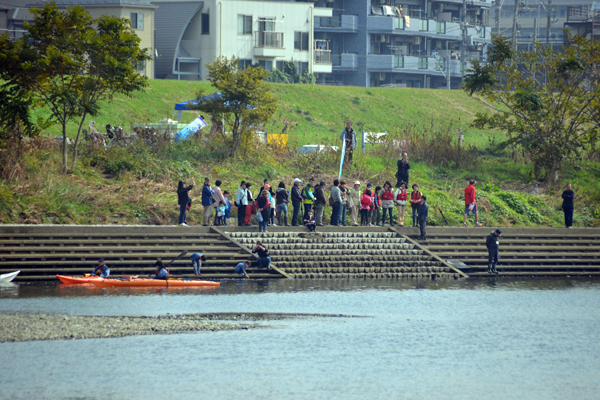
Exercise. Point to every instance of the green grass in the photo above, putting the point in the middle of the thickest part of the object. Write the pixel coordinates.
(136, 185)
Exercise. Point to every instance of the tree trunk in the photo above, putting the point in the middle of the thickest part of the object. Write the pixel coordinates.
(64, 149)
(235, 137)
(77, 142)
(555, 172)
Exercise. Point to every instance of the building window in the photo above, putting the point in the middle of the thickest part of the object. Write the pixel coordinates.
(302, 67)
(279, 65)
(301, 41)
(266, 24)
(267, 65)
(205, 24)
(243, 64)
(137, 21)
(244, 24)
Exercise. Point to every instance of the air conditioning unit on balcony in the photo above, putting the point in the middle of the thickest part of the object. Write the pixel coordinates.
(381, 76)
(417, 40)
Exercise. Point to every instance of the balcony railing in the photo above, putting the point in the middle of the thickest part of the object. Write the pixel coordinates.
(331, 22)
(268, 39)
(322, 57)
(398, 23)
(423, 63)
(440, 28)
(398, 61)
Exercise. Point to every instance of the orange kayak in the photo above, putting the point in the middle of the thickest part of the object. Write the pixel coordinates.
(134, 282)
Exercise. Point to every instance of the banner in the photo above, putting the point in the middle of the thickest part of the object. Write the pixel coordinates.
(342, 158)
(193, 127)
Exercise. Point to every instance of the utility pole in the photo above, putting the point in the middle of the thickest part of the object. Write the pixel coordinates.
(549, 12)
(514, 28)
(463, 47)
(498, 5)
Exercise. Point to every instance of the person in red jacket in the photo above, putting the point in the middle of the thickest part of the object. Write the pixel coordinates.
(387, 202)
(415, 203)
(471, 203)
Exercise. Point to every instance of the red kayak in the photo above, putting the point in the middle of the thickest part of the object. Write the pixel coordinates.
(134, 282)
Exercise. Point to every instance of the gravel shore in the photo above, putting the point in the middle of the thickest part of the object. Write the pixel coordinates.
(24, 327)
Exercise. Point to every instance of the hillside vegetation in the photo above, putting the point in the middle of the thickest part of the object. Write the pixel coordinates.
(136, 185)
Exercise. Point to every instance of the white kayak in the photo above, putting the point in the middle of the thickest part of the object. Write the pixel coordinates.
(4, 278)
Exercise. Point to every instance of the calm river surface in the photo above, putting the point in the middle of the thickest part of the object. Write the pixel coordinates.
(475, 339)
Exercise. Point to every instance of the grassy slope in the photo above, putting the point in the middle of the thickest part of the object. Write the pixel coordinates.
(142, 192)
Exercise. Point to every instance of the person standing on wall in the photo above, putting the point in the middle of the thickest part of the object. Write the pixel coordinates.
(423, 214)
(400, 197)
(493, 244)
(217, 199)
(471, 203)
(320, 201)
(183, 198)
(568, 205)
(296, 200)
(354, 202)
(387, 202)
(207, 202)
(308, 193)
(281, 201)
(345, 193)
(250, 205)
(348, 135)
(415, 203)
(241, 201)
(336, 196)
(403, 167)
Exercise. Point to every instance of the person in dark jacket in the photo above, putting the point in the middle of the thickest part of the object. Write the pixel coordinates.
(161, 271)
(568, 205)
(493, 243)
(262, 203)
(423, 214)
(296, 200)
(281, 200)
(207, 201)
(264, 261)
(183, 198)
(403, 167)
(320, 201)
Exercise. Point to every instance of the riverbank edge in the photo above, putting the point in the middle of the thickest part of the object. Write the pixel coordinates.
(36, 327)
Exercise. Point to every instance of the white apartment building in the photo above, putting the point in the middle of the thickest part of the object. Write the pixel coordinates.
(190, 34)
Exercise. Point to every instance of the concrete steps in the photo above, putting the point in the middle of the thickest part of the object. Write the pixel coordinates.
(42, 252)
(376, 253)
(523, 252)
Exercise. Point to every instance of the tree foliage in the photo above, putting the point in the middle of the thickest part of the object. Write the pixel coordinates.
(547, 102)
(69, 62)
(245, 101)
(290, 74)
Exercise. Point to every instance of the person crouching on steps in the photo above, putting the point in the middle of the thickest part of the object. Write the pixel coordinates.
(197, 260)
(493, 244)
(309, 221)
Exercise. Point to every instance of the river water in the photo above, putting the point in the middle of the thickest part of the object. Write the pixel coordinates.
(472, 339)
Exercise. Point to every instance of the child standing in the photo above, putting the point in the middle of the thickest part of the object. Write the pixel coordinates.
(227, 207)
(220, 213)
(309, 221)
(366, 201)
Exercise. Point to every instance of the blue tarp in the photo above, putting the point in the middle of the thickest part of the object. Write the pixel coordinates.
(184, 106)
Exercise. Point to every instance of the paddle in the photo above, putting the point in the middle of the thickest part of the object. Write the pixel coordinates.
(441, 212)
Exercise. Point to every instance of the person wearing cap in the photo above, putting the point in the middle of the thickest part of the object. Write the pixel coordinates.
(423, 214)
(493, 243)
(101, 270)
(320, 201)
(348, 135)
(471, 203)
(183, 199)
(354, 202)
(296, 200)
(207, 202)
(241, 201)
(308, 193)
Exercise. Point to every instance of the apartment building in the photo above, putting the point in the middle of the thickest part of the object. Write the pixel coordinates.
(403, 43)
(536, 20)
(190, 34)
